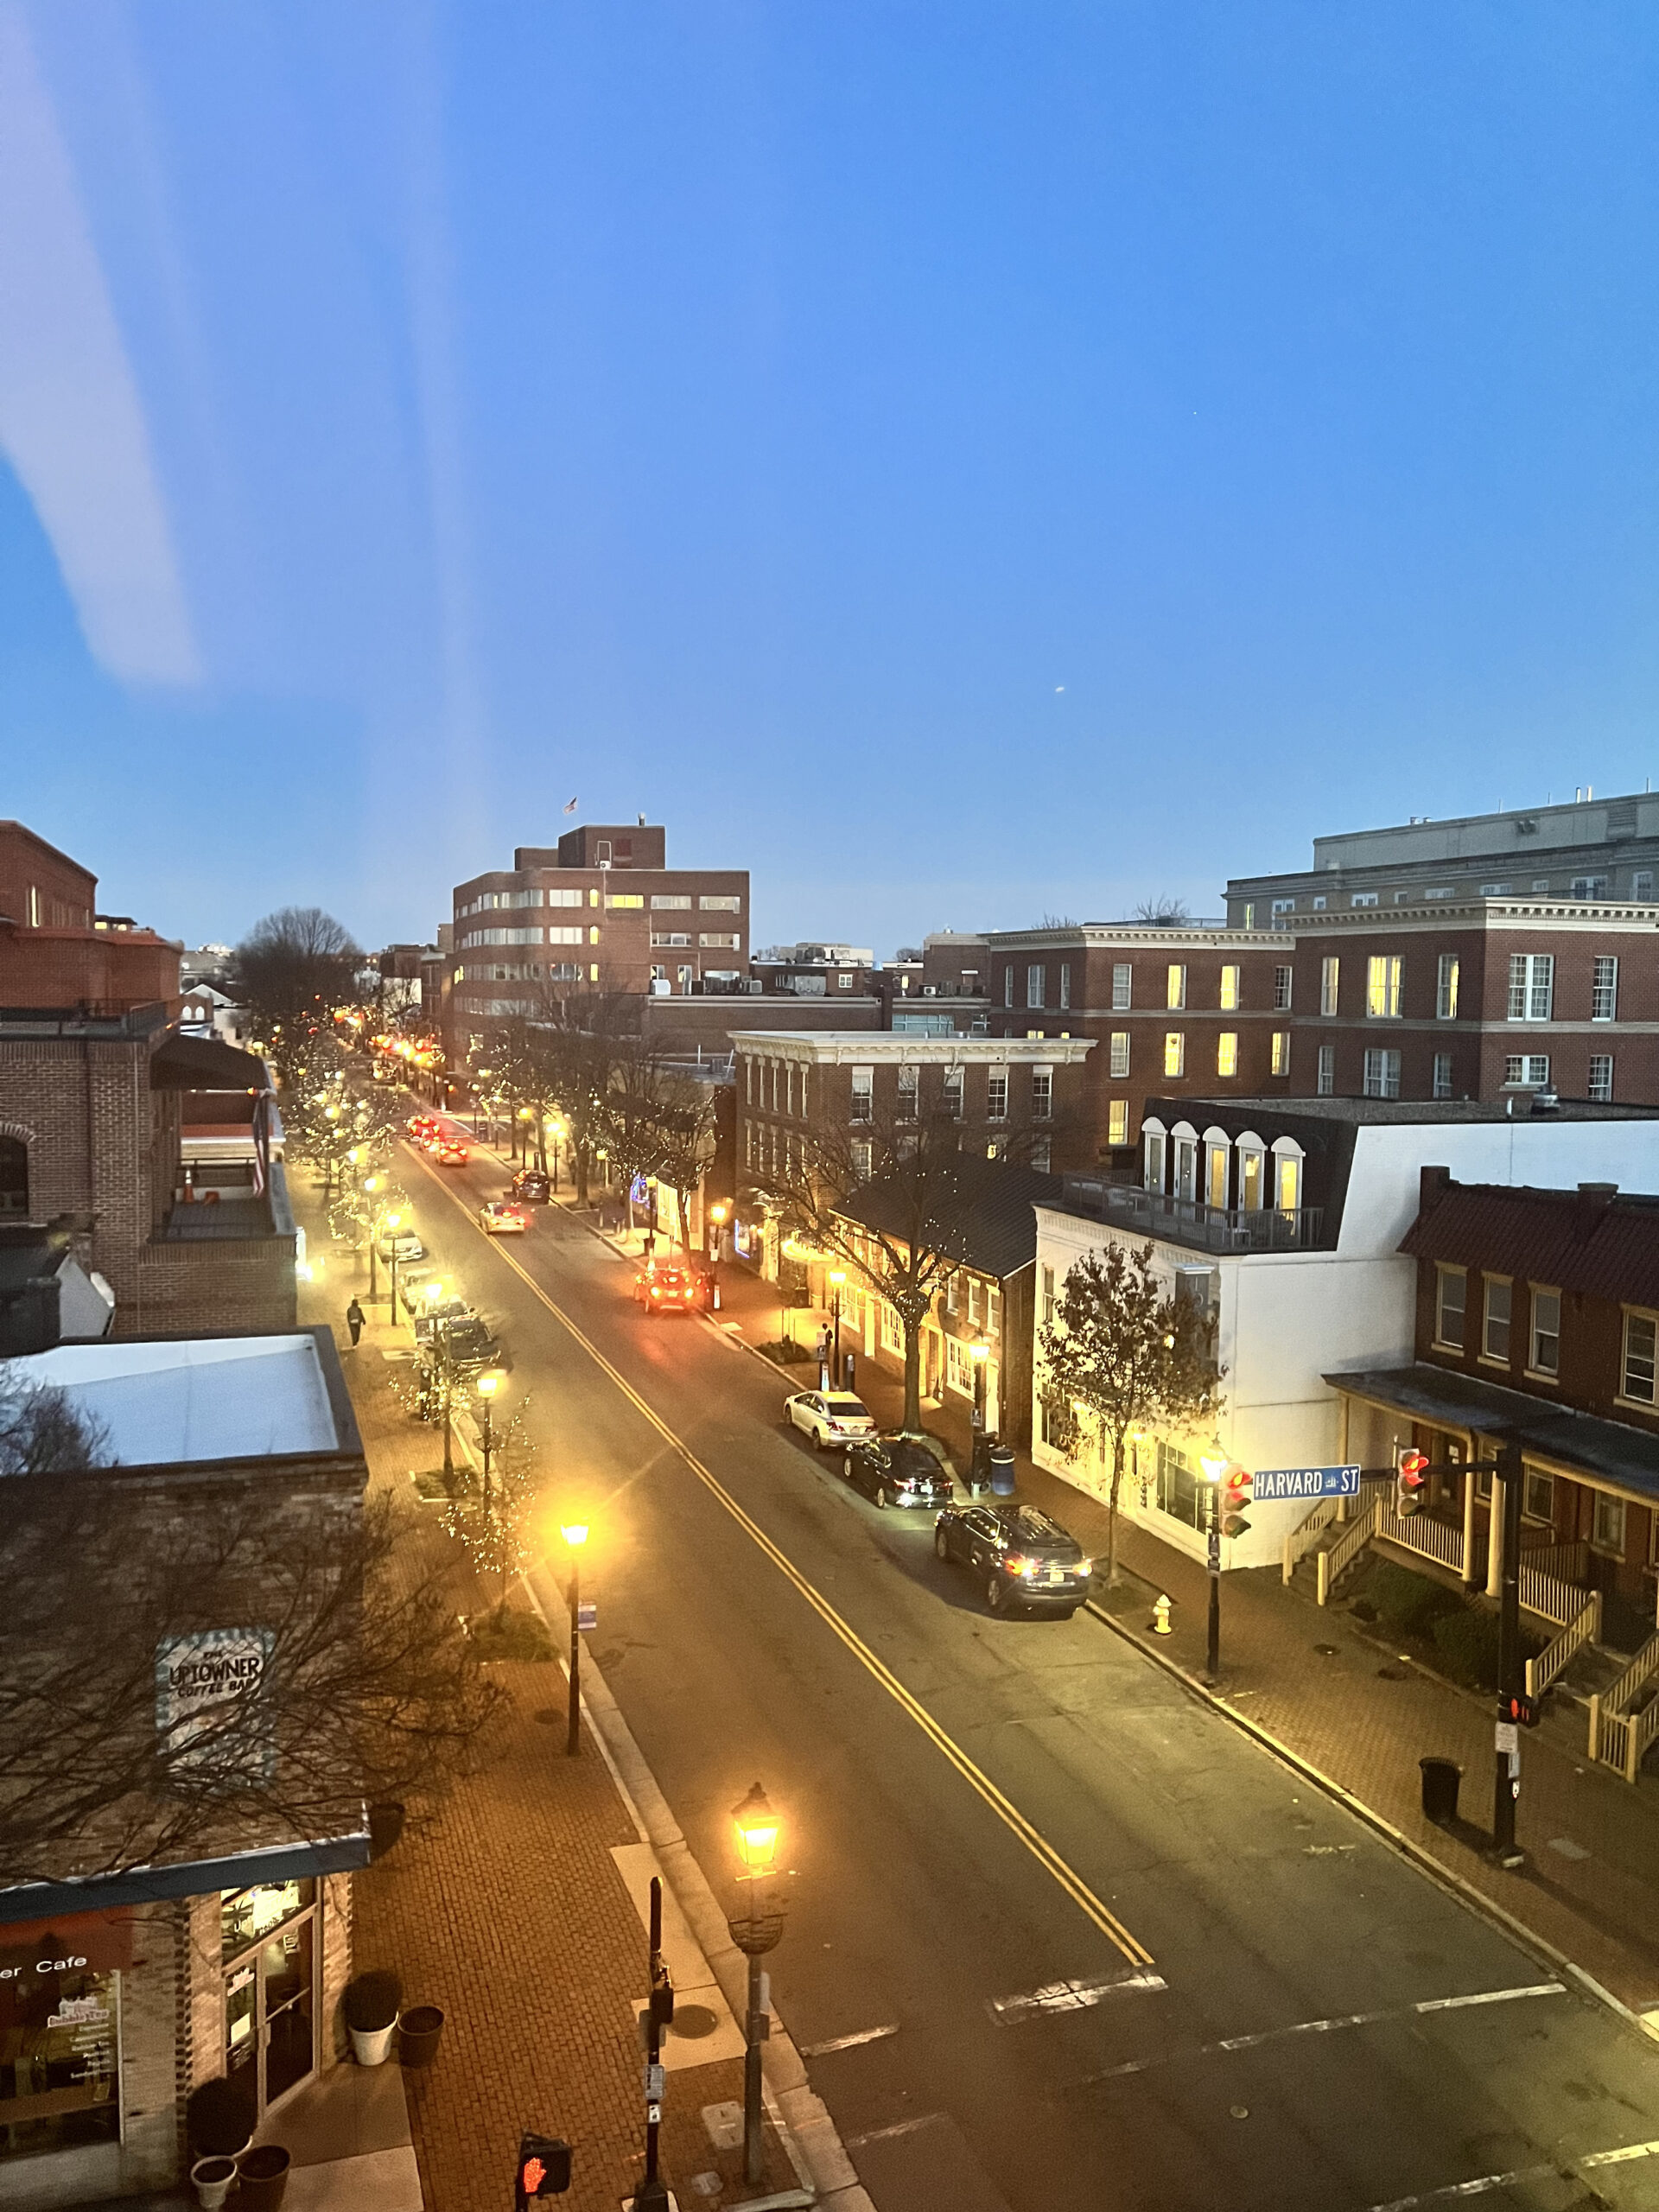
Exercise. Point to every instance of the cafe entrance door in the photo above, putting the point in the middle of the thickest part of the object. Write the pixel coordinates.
(270, 2034)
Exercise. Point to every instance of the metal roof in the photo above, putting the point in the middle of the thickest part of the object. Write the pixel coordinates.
(1588, 1240)
(981, 1214)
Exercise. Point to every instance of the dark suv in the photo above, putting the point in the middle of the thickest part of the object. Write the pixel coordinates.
(1020, 1555)
(897, 1471)
(529, 1184)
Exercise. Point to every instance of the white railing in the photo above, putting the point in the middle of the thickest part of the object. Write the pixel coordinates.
(1440, 1541)
(1303, 1537)
(1549, 1597)
(1584, 1629)
(1334, 1564)
(1619, 1738)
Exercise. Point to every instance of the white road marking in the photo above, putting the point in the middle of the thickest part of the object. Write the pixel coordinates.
(1074, 1996)
(896, 2127)
(1484, 2184)
(848, 2042)
(1327, 2027)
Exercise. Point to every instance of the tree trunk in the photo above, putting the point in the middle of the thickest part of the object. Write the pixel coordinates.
(580, 1161)
(913, 1376)
(683, 1198)
(1112, 1512)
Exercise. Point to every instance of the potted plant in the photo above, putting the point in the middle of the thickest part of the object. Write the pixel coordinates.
(262, 2177)
(212, 2177)
(219, 2118)
(371, 2006)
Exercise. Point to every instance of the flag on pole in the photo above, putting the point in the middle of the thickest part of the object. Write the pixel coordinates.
(571, 808)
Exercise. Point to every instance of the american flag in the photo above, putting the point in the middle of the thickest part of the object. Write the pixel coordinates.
(571, 808)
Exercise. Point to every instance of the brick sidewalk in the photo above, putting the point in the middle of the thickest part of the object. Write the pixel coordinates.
(1339, 1695)
(509, 1913)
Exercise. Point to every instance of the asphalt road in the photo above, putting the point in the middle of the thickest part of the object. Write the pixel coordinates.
(981, 1812)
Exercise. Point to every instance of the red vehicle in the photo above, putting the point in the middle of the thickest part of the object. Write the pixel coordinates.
(666, 1290)
(449, 1152)
(422, 1128)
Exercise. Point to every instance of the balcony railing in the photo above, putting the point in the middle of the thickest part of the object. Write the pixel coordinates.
(1184, 1221)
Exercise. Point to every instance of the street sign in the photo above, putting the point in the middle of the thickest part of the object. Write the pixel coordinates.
(586, 1615)
(656, 2084)
(1273, 1485)
(1507, 1736)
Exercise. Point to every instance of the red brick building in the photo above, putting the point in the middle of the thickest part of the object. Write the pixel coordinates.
(56, 950)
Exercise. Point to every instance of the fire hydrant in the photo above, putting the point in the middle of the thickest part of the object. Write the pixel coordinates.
(1160, 1617)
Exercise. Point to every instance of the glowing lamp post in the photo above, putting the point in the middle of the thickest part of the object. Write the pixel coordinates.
(717, 1214)
(575, 1534)
(1214, 1463)
(979, 1352)
(838, 1277)
(756, 1932)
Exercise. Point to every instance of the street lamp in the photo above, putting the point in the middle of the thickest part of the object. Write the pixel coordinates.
(1214, 1461)
(575, 1534)
(979, 1351)
(393, 1223)
(755, 1933)
(838, 1276)
(487, 1385)
(717, 1213)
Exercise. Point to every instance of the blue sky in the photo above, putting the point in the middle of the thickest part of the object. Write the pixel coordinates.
(960, 462)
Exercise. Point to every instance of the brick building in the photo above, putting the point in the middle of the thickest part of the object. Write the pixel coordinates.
(56, 950)
(125, 1985)
(601, 910)
(1169, 1011)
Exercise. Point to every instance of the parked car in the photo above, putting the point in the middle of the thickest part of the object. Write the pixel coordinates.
(403, 1242)
(665, 1290)
(411, 1286)
(470, 1344)
(828, 1416)
(897, 1471)
(450, 1152)
(429, 1318)
(420, 1126)
(498, 1218)
(530, 1186)
(1020, 1556)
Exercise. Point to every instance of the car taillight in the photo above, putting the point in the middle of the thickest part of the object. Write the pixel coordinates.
(656, 1290)
(1017, 1564)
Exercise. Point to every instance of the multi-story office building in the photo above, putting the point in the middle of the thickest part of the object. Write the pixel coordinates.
(1597, 850)
(601, 910)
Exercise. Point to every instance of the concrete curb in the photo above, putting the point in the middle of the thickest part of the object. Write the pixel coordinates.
(1422, 1860)
(808, 2134)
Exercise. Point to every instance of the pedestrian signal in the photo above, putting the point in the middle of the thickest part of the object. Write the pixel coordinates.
(1520, 1709)
(1410, 1481)
(543, 2169)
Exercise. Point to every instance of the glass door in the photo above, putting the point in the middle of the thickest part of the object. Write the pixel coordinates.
(271, 1991)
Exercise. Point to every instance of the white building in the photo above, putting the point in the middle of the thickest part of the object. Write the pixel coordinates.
(1285, 1216)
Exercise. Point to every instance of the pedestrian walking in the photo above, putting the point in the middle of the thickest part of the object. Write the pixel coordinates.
(354, 1318)
(823, 1358)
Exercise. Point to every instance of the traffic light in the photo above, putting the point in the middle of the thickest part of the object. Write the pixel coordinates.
(1410, 1481)
(1235, 1497)
(1519, 1708)
(543, 2169)
(662, 1999)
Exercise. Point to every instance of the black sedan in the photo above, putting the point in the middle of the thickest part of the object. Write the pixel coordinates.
(530, 1186)
(469, 1346)
(897, 1471)
(1020, 1555)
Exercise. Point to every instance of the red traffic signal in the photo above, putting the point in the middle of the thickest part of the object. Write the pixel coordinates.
(1410, 1481)
(1519, 1708)
(1235, 1495)
(543, 2169)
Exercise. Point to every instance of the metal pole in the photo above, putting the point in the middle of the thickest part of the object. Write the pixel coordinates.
(573, 1735)
(1506, 1784)
(1214, 1661)
(652, 2195)
(837, 1369)
(374, 1231)
(754, 2149)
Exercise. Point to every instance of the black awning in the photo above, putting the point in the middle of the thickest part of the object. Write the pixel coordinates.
(183, 1063)
(1606, 1453)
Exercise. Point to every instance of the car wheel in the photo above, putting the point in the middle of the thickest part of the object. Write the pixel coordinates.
(941, 1545)
(819, 1440)
(882, 1501)
(996, 1595)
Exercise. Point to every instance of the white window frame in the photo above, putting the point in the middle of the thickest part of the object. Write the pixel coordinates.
(1120, 1054)
(1384, 978)
(1037, 983)
(1284, 985)
(1532, 987)
(1599, 1087)
(1382, 1072)
(1646, 1389)
(1175, 988)
(1327, 1073)
(1443, 1086)
(1603, 988)
(1279, 1053)
(1174, 1054)
(1445, 987)
(1535, 1336)
(1330, 982)
(1444, 1274)
(1490, 1321)
(1122, 986)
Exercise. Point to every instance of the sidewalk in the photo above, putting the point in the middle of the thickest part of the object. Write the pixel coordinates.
(1339, 1697)
(520, 1910)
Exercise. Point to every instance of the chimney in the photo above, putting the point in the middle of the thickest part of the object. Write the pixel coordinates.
(1433, 1183)
(1594, 1198)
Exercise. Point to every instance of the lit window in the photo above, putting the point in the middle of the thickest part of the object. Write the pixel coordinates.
(1383, 986)
(1446, 989)
(1279, 1061)
(1230, 975)
(628, 899)
(1604, 990)
(1117, 1122)
(1640, 1346)
(1177, 995)
(1545, 1354)
(1599, 1086)
(1495, 1318)
(1174, 1052)
(1227, 1052)
(1330, 976)
(1120, 1050)
(1450, 1295)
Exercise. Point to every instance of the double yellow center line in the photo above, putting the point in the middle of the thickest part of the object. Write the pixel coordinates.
(1008, 1813)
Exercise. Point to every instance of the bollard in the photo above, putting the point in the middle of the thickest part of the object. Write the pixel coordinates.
(1160, 1617)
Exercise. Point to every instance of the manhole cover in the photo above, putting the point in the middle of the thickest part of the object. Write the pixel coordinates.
(551, 1716)
(1326, 1650)
(693, 2021)
(1390, 1674)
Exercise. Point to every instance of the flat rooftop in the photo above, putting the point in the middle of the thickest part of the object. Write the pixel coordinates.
(178, 1400)
(1428, 1113)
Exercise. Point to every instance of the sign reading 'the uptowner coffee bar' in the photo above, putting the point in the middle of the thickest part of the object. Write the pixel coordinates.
(200, 1679)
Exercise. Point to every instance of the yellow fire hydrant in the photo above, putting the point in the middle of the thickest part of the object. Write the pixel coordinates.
(1160, 1617)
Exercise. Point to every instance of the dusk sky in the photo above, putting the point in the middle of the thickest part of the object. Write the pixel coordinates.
(959, 461)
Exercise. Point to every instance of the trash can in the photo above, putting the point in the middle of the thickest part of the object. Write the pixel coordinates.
(1440, 1780)
(979, 1467)
(418, 2030)
(1002, 1470)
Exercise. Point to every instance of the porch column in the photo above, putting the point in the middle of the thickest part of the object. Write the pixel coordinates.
(1468, 1530)
(1344, 1507)
(1494, 1544)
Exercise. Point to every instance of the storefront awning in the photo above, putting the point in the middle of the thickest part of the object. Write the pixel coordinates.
(43, 1901)
(1604, 1454)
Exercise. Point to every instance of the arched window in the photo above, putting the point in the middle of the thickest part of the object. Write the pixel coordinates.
(1217, 1163)
(1250, 1151)
(1152, 1132)
(1286, 1174)
(14, 1180)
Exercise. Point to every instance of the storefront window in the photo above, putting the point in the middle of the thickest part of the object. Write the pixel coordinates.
(246, 1915)
(58, 2056)
(1182, 1490)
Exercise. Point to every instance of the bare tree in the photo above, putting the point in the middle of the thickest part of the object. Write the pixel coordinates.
(566, 1053)
(365, 1689)
(298, 961)
(493, 1515)
(43, 1433)
(691, 1138)
(1122, 1355)
(1165, 911)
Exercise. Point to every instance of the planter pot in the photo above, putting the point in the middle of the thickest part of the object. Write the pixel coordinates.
(417, 2034)
(212, 2178)
(372, 2046)
(385, 1825)
(261, 2177)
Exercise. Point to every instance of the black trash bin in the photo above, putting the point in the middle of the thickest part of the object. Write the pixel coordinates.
(979, 1468)
(1002, 1471)
(1440, 1780)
